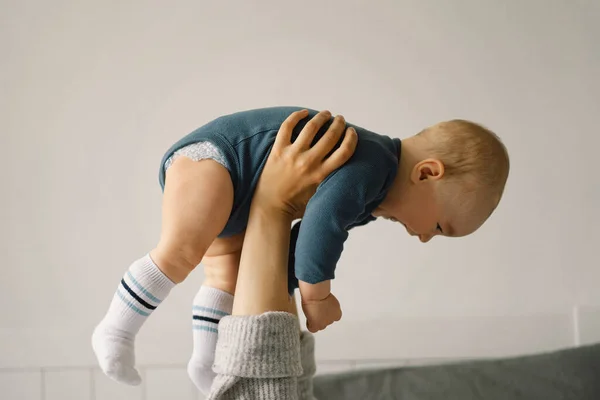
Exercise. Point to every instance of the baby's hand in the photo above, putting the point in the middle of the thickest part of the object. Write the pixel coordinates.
(321, 313)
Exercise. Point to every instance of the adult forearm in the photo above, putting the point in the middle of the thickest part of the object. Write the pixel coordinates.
(262, 278)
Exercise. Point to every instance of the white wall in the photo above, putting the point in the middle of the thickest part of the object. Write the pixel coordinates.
(93, 93)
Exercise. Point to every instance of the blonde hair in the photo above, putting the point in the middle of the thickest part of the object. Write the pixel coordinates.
(472, 155)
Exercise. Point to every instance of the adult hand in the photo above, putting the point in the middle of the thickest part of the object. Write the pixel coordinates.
(294, 170)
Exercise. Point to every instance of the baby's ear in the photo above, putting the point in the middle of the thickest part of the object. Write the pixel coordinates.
(429, 169)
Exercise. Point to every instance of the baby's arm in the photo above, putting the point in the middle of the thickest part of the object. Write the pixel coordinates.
(315, 292)
(318, 248)
(319, 305)
(336, 206)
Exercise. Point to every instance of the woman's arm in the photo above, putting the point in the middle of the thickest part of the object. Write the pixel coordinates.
(290, 177)
(258, 349)
(262, 276)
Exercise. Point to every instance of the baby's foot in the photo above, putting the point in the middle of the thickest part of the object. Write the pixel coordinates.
(115, 352)
(201, 375)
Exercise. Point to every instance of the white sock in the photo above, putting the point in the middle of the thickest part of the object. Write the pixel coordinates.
(210, 305)
(141, 290)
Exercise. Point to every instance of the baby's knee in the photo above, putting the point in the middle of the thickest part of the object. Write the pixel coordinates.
(176, 262)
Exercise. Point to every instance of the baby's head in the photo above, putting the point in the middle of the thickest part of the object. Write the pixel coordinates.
(451, 178)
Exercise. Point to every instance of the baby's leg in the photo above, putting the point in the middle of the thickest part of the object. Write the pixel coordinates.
(197, 202)
(213, 301)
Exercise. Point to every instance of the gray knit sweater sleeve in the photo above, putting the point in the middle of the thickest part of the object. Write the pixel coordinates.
(258, 357)
(309, 366)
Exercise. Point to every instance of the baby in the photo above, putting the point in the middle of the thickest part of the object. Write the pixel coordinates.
(445, 180)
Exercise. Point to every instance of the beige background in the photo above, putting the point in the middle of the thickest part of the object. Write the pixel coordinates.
(93, 93)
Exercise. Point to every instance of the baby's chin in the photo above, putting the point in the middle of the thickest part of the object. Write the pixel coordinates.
(411, 233)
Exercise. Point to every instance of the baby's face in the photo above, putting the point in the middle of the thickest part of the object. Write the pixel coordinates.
(421, 215)
(425, 219)
(425, 216)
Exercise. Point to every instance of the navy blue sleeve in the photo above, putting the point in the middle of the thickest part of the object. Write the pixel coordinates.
(340, 201)
(292, 280)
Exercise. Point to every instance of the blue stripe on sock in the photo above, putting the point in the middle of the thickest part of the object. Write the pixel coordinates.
(142, 289)
(210, 310)
(204, 328)
(130, 304)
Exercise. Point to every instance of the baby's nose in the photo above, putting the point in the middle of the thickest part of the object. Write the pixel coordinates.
(425, 238)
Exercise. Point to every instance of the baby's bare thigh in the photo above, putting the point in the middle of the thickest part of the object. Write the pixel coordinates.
(197, 202)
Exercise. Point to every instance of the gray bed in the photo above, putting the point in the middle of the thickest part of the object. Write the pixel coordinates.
(566, 374)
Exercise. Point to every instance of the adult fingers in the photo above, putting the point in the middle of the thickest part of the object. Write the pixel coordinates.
(329, 140)
(284, 136)
(310, 130)
(342, 154)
